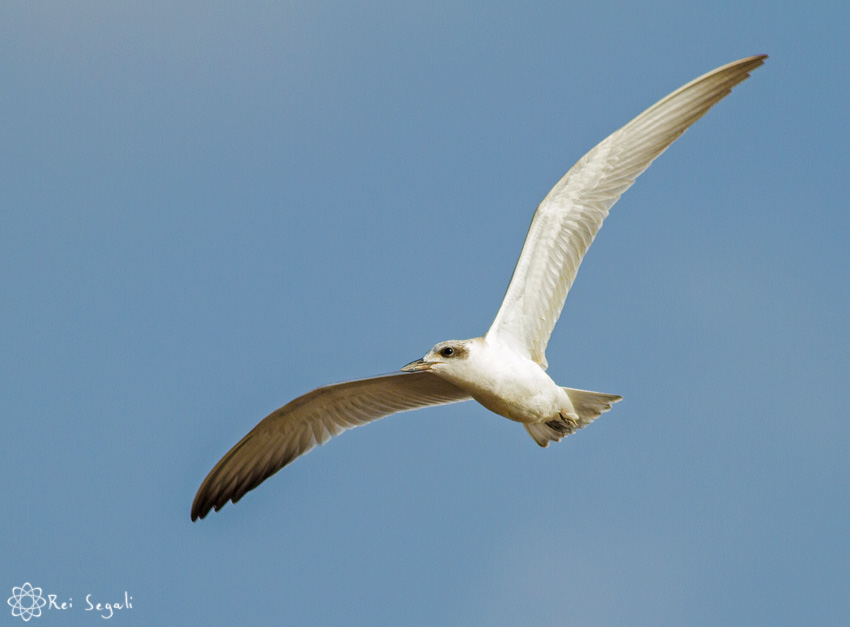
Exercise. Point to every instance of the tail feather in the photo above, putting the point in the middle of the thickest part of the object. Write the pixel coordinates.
(588, 406)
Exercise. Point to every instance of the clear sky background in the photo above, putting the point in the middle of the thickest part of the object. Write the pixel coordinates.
(209, 209)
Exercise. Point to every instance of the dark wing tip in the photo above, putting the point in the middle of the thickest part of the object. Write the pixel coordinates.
(205, 500)
(200, 510)
(216, 488)
(237, 474)
(215, 497)
(219, 487)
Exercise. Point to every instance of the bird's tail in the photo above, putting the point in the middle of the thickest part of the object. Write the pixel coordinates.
(588, 406)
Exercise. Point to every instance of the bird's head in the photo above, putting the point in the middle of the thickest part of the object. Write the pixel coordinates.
(445, 357)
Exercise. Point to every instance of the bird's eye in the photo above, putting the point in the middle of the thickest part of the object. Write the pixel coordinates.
(448, 351)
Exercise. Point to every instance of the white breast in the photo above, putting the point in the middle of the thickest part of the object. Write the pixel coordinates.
(508, 384)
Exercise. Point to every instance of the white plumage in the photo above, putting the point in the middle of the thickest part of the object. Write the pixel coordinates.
(505, 369)
(568, 219)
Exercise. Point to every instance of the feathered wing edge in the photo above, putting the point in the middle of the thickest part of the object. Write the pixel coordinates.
(311, 420)
(566, 222)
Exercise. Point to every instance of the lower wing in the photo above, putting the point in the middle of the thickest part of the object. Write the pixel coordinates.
(311, 420)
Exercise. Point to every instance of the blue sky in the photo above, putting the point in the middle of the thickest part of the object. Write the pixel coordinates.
(208, 210)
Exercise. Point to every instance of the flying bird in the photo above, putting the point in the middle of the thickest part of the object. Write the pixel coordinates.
(505, 369)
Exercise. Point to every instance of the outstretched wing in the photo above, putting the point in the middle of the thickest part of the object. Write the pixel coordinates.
(568, 219)
(313, 419)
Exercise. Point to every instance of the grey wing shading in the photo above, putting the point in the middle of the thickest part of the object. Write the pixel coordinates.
(312, 420)
(568, 219)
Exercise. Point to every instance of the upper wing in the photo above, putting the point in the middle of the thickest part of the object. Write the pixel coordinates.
(567, 220)
(313, 419)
